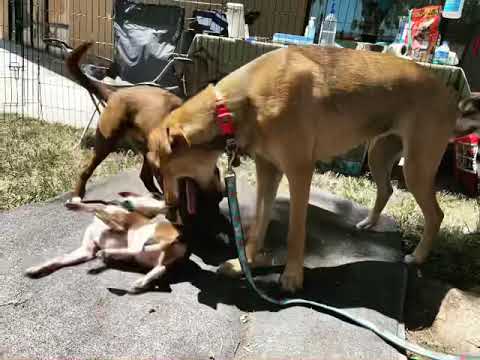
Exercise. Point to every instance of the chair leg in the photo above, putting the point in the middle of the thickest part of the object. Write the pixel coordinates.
(85, 129)
(97, 109)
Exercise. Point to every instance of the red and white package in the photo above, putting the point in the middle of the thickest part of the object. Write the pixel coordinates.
(423, 32)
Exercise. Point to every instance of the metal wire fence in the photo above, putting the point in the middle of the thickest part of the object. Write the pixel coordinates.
(33, 79)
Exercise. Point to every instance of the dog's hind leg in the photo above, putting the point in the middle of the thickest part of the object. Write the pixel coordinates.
(83, 254)
(421, 163)
(103, 147)
(382, 154)
(171, 254)
(144, 282)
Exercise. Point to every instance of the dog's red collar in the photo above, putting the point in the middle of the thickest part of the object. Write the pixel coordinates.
(224, 117)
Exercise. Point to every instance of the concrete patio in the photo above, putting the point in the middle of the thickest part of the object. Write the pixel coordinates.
(34, 83)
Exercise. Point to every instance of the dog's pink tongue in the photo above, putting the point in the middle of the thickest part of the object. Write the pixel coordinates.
(191, 197)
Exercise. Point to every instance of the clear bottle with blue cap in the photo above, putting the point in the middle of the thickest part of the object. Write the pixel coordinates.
(328, 30)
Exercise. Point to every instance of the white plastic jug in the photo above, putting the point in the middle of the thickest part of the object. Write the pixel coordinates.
(310, 29)
(441, 54)
(236, 20)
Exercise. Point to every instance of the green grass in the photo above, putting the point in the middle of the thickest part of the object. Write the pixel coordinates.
(456, 255)
(38, 160)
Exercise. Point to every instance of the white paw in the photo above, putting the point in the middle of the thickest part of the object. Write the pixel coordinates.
(32, 271)
(366, 224)
(415, 258)
(73, 204)
(139, 285)
(292, 278)
(409, 259)
(231, 268)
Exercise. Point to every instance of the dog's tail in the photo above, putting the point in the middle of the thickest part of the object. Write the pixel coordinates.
(469, 119)
(72, 62)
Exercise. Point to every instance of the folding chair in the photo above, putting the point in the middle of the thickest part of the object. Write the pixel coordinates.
(146, 38)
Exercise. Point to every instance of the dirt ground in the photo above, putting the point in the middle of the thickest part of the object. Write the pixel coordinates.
(442, 317)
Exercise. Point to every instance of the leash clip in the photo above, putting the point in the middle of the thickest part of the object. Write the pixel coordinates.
(231, 149)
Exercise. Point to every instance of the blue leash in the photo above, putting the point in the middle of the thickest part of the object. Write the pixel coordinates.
(234, 208)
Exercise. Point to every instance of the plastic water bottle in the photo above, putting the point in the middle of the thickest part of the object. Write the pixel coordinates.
(441, 54)
(310, 29)
(328, 30)
(453, 9)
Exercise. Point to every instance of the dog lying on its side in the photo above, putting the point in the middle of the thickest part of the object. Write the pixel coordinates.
(138, 229)
(116, 233)
(131, 112)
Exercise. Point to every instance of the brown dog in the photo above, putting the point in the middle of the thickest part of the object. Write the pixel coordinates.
(294, 106)
(131, 112)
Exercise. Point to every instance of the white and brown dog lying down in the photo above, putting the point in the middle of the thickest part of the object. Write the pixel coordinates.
(116, 233)
(294, 106)
(136, 229)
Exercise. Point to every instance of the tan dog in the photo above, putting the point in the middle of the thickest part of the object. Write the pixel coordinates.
(295, 106)
(130, 112)
(117, 234)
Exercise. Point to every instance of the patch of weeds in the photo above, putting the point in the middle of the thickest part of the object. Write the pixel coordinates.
(39, 160)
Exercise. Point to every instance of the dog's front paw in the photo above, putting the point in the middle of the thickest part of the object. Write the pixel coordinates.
(33, 271)
(73, 204)
(231, 268)
(292, 278)
(409, 259)
(74, 200)
(416, 258)
(138, 286)
(367, 223)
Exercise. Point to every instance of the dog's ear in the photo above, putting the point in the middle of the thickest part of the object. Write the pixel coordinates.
(177, 138)
(470, 105)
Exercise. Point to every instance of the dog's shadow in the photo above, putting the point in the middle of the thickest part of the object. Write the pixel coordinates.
(347, 286)
(363, 284)
(366, 283)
